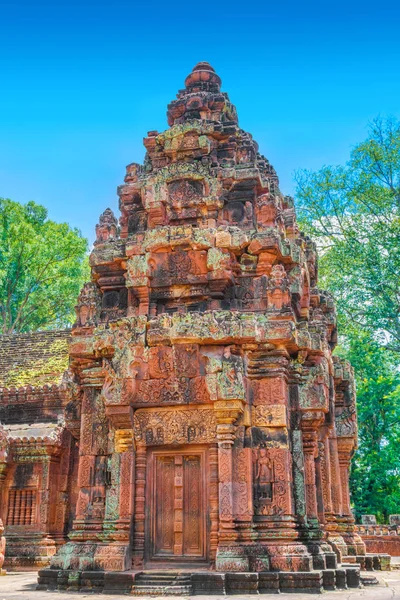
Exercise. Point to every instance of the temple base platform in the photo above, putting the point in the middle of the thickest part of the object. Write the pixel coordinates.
(186, 582)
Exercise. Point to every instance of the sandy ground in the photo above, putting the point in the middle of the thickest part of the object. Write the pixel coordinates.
(21, 586)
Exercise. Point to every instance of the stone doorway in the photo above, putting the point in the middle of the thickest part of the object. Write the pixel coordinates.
(177, 500)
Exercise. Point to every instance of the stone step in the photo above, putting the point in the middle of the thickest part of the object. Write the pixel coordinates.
(164, 572)
(161, 583)
(156, 582)
(368, 580)
(162, 580)
(161, 590)
(349, 560)
(158, 577)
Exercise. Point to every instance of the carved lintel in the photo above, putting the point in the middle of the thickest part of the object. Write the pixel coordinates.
(172, 426)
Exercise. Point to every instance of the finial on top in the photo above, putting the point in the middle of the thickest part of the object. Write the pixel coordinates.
(107, 227)
(203, 66)
(201, 98)
(203, 72)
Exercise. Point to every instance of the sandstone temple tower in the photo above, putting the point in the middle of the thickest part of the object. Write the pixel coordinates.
(206, 423)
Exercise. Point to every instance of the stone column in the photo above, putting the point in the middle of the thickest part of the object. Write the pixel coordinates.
(336, 487)
(310, 449)
(62, 500)
(346, 440)
(225, 476)
(344, 466)
(314, 534)
(334, 526)
(214, 499)
(324, 469)
(353, 541)
(228, 556)
(325, 478)
(47, 496)
(124, 446)
(225, 380)
(140, 502)
(324, 497)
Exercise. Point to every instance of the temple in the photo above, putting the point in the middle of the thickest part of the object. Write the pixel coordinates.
(194, 419)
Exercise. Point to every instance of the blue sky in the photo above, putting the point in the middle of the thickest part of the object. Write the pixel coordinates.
(81, 83)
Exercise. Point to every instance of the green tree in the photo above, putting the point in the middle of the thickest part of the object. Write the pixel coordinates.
(353, 213)
(375, 476)
(42, 267)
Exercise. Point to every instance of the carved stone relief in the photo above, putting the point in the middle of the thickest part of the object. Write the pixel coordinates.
(160, 427)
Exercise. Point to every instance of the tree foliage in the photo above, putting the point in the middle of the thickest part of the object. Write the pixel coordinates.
(375, 477)
(353, 213)
(42, 267)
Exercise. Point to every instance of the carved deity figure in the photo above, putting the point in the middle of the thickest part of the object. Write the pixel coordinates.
(100, 471)
(264, 475)
(278, 292)
(278, 275)
(88, 305)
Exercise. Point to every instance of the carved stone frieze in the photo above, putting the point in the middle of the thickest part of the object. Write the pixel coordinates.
(160, 427)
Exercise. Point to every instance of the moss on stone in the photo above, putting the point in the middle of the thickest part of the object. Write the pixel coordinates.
(35, 359)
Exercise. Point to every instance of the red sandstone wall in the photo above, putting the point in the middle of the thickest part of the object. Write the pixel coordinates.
(382, 544)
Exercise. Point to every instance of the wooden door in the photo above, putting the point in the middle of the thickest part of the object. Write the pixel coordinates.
(164, 505)
(178, 506)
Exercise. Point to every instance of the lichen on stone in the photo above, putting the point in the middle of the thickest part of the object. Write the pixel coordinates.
(34, 359)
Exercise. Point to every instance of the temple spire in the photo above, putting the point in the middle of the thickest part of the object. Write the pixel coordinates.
(201, 99)
(203, 78)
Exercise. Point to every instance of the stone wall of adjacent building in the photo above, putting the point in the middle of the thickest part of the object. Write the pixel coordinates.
(381, 538)
(36, 451)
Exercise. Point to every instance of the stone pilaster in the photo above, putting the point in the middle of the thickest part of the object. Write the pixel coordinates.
(214, 500)
(140, 502)
(353, 541)
(228, 406)
(315, 480)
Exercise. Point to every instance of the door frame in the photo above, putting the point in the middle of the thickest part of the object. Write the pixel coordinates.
(150, 521)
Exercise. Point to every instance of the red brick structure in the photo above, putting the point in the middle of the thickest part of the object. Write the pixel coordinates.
(203, 422)
(381, 539)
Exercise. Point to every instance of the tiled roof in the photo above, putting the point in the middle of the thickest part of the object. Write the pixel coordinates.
(35, 359)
